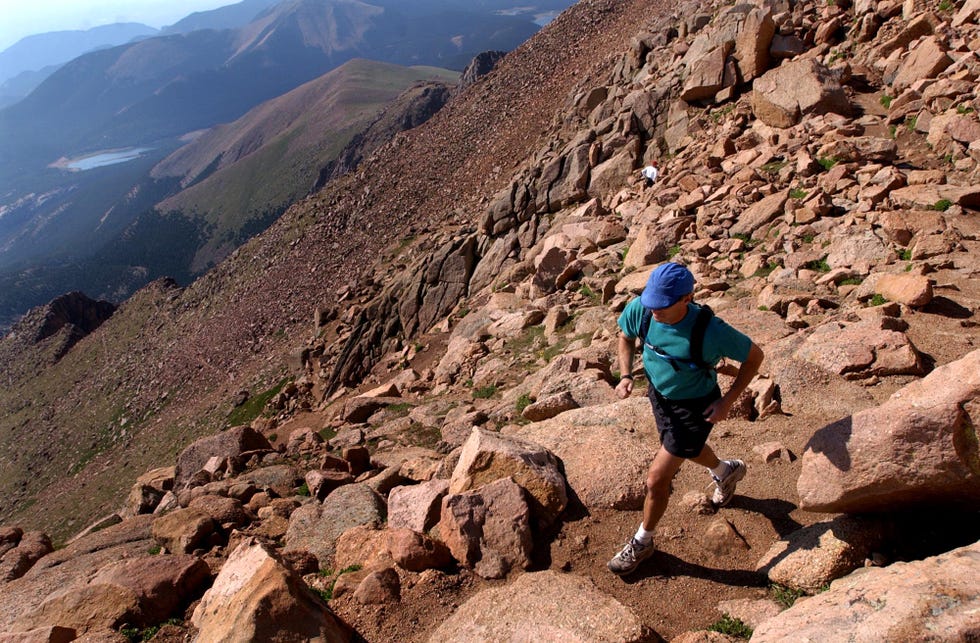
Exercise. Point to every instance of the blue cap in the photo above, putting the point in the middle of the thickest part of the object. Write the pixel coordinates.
(667, 283)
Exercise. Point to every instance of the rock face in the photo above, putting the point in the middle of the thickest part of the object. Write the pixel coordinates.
(489, 456)
(919, 447)
(315, 528)
(544, 606)
(933, 599)
(785, 94)
(257, 598)
(488, 529)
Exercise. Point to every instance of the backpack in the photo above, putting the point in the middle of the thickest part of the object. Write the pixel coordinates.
(697, 339)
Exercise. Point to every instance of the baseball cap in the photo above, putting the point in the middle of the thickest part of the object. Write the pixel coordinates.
(667, 283)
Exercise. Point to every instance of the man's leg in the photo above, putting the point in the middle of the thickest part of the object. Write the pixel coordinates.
(726, 474)
(659, 477)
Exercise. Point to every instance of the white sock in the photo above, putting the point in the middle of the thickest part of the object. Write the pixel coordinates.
(722, 470)
(643, 536)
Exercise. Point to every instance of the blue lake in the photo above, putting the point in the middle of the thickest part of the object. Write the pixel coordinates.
(106, 158)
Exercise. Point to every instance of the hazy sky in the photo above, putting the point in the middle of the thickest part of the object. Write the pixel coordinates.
(19, 18)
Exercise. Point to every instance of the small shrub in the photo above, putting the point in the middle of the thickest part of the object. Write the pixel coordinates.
(401, 409)
(964, 109)
(766, 270)
(304, 490)
(886, 101)
(673, 252)
(946, 5)
(485, 392)
(590, 294)
(731, 626)
(154, 550)
(905, 254)
(764, 309)
(774, 166)
(827, 162)
(892, 131)
(911, 122)
(878, 300)
(784, 595)
(797, 193)
(523, 402)
(942, 205)
(851, 281)
(819, 265)
(808, 238)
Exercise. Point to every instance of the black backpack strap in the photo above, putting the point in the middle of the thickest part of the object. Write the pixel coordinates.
(697, 336)
(645, 325)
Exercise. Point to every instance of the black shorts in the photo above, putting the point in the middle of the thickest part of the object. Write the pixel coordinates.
(681, 423)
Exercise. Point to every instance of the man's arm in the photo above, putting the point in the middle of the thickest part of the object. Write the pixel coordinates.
(625, 350)
(719, 410)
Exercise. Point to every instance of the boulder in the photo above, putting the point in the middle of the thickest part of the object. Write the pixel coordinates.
(489, 456)
(801, 87)
(753, 42)
(489, 529)
(162, 584)
(48, 634)
(927, 455)
(417, 552)
(380, 587)
(927, 60)
(543, 606)
(228, 444)
(915, 291)
(227, 512)
(605, 450)
(861, 349)
(257, 598)
(315, 528)
(416, 507)
(31, 547)
(85, 608)
(549, 407)
(185, 530)
(936, 599)
(810, 558)
(760, 213)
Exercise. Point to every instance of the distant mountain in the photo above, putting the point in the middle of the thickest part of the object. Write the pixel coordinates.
(231, 16)
(100, 233)
(58, 47)
(167, 86)
(239, 175)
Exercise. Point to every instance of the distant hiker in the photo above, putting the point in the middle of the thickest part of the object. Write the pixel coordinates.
(650, 173)
(682, 343)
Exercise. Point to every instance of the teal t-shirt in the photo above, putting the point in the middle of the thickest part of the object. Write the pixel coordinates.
(720, 340)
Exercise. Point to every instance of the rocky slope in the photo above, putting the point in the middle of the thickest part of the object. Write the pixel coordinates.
(447, 460)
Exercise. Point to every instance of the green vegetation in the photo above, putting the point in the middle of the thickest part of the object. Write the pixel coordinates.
(892, 131)
(784, 595)
(946, 6)
(808, 238)
(886, 100)
(878, 300)
(942, 205)
(673, 252)
(401, 409)
(732, 627)
(327, 594)
(851, 281)
(905, 254)
(964, 109)
(797, 193)
(594, 298)
(303, 490)
(720, 113)
(911, 122)
(523, 402)
(253, 406)
(766, 270)
(485, 392)
(750, 242)
(819, 265)
(827, 162)
(137, 635)
(774, 166)
(154, 550)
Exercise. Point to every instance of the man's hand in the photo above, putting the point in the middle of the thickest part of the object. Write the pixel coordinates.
(624, 388)
(718, 410)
